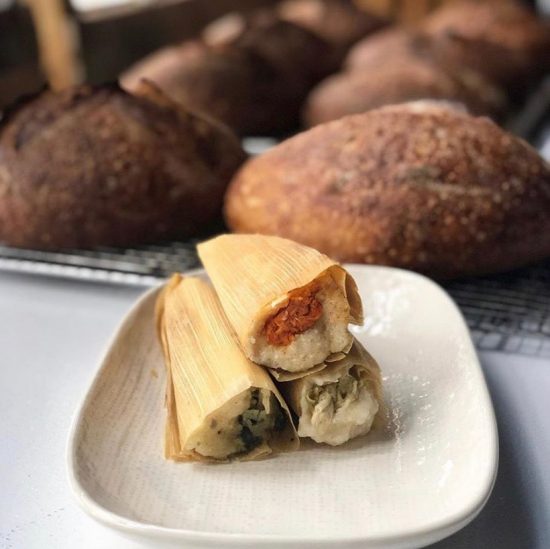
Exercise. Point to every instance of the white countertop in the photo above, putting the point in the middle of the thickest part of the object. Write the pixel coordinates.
(44, 323)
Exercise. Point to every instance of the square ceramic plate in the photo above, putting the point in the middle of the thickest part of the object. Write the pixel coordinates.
(422, 478)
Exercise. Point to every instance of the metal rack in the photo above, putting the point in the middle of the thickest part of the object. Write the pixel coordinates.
(508, 312)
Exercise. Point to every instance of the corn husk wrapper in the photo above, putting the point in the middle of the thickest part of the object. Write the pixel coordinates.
(253, 275)
(283, 375)
(205, 368)
(357, 356)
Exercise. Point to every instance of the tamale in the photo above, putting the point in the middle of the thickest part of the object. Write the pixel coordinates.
(289, 305)
(220, 406)
(340, 402)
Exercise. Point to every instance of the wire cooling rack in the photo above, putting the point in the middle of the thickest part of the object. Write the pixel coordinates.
(508, 312)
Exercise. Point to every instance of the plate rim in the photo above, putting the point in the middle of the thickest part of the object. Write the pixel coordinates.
(408, 538)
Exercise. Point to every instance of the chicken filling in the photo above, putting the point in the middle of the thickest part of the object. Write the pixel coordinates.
(332, 396)
(338, 411)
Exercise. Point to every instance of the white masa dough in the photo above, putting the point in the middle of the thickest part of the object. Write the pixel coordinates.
(220, 435)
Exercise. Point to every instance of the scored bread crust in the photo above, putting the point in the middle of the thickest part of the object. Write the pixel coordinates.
(416, 185)
(93, 167)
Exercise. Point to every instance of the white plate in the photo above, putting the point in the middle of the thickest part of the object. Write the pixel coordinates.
(426, 476)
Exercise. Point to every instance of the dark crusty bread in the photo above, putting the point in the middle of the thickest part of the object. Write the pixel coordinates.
(415, 186)
(398, 81)
(340, 22)
(253, 73)
(502, 39)
(97, 166)
(195, 76)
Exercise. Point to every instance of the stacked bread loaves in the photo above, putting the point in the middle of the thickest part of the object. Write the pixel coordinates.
(254, 72)
(416, 185)
(97, 166)
(470, 52)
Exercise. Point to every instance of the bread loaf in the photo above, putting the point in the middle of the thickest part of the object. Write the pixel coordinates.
(192, 74)
(501, 39)
(253, 73)
(100, 167)
(415, 186)
(398, 81)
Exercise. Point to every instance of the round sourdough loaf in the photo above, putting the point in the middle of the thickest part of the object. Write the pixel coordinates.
(398, 81)
(502, 40)
(417, 185)
(252, 73)
(218, 83)
(100, 167)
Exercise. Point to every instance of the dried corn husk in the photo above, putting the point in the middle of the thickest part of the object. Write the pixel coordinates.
(206, 369)
(283, 375)
(253, 275)
(296, 390)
